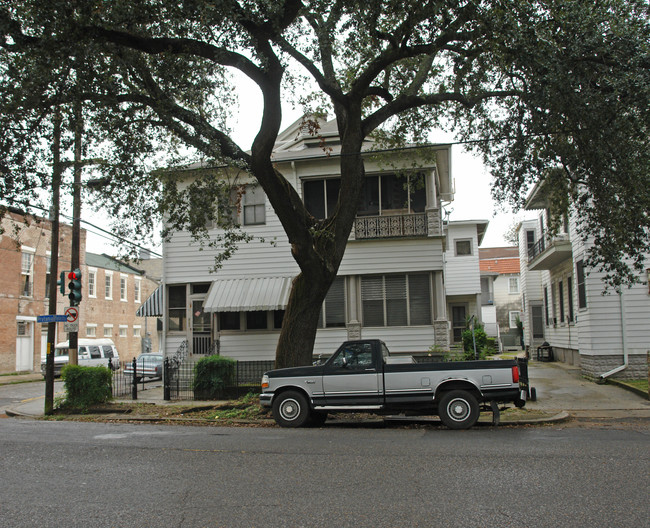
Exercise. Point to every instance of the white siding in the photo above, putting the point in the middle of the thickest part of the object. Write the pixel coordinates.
(403, 340)
(462, 273)
(249, 346)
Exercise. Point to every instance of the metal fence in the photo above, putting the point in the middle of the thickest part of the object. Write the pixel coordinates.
(179, 379)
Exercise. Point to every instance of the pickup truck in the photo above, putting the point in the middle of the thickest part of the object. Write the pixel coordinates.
(361, 376)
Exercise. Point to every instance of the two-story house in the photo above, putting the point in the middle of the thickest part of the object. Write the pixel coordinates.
(462, 277)
(605, 334)
(501, 294)
(390, 282)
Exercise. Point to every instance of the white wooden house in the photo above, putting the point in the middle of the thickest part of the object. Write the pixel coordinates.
(390, 284)
(462, 274)
(605, 334)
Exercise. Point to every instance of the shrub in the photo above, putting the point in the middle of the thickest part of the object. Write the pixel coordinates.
(481, 342)
(86, 386)
(212, 375)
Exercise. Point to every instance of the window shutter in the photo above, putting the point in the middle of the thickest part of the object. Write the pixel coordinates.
(420, 299)
(335, 304)
(396, 313)
(372, 299)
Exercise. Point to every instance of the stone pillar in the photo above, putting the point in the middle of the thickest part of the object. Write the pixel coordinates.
(353, 325)
(441, 334)
(440, 300)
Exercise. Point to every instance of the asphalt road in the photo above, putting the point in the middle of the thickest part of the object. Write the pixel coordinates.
(125, 475)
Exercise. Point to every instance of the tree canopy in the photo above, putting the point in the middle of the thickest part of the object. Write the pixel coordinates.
(544, 89)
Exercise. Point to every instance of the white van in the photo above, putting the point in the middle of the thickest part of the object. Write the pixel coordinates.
(90, 353)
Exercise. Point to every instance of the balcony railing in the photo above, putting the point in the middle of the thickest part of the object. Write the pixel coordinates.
(548, 252)
(391, 226)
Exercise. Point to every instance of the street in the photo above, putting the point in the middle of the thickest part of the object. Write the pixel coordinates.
(129, 475)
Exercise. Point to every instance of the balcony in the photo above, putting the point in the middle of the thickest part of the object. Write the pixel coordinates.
(548, 252)
(397, 225)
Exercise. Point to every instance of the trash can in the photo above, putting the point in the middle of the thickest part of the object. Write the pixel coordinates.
(545, 352)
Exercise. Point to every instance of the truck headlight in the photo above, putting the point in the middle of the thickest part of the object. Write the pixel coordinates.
(265, 382)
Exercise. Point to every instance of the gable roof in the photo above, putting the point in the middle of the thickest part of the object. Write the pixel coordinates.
(106, 262)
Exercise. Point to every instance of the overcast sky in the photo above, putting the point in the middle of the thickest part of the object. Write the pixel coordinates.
(472, 199)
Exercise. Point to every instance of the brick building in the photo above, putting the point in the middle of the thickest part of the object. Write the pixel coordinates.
(25, 259)
(112, 293)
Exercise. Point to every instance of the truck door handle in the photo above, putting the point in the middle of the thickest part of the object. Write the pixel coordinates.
(370, 369)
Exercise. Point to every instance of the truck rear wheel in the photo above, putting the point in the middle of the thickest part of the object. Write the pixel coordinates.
(458, 409)
(290, 409)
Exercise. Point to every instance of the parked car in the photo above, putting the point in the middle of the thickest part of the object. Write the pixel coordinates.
(90, 353)
(147, 365)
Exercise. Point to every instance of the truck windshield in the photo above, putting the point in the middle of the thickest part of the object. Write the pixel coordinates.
(61, 352)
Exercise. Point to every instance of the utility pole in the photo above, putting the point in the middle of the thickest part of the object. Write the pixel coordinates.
(76, 215)
(57, 171)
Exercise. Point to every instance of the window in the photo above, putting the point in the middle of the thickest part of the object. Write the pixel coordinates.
(177, 309)
(396, 300)
(254, 206)
(580, 283)
(530, 240)
(136, 330)
(92, 283)
(560, 289)
(26, 273)
(108, 330)
(320, 196)
(229, 321)
(513, 317)
(123, 292)
(108, 285)
(569, 292)
(123, 331)
(463, 247)
(91, 330)
(333, 311)
(278, 316)
(553, 307)
(256, 320)
(513, 285)
(136, 290)
(392, 193)
(95, 352)
(355, 356)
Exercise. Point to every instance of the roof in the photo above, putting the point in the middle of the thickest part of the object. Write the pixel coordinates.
(499, 252)
(257, 293)
(106, 262)
(501, 266)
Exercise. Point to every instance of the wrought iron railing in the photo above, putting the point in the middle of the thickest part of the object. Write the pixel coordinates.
(389, 226)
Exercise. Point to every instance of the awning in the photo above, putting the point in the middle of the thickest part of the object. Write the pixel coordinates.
(153, 306)
(245, 295)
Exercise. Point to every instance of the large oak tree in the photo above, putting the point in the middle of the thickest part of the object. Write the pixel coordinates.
(545, 89)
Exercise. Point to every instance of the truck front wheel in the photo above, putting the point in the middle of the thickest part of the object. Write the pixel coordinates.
(290, 409)
(458, 409)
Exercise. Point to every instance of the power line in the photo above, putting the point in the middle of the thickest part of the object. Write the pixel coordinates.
(111, 236)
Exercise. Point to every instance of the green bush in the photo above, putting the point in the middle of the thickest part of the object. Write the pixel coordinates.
(86, 386)
(481, 342)
(212, 375)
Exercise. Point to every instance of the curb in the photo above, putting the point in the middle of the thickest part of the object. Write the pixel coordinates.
(629, 388)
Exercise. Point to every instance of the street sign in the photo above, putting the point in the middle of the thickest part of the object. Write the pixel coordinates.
(72, 314)
(51, 318)
(70, 327)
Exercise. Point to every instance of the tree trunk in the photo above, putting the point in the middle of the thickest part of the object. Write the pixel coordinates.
(296, 343)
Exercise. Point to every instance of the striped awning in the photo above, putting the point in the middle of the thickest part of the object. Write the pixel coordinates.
(243, 295)
(153, 306)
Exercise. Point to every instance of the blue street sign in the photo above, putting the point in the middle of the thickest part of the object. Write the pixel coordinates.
(51, 318)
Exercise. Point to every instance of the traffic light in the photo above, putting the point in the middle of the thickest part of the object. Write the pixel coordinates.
(75, 287)
(61, 282)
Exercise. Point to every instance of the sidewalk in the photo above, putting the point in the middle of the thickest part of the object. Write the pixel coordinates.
(561, 392)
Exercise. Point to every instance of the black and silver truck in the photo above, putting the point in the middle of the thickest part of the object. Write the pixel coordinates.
(362, 376)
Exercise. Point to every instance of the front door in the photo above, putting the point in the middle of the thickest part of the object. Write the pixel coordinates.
(24, 346)
(352, 378)
(201, 328)
(458, 322)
